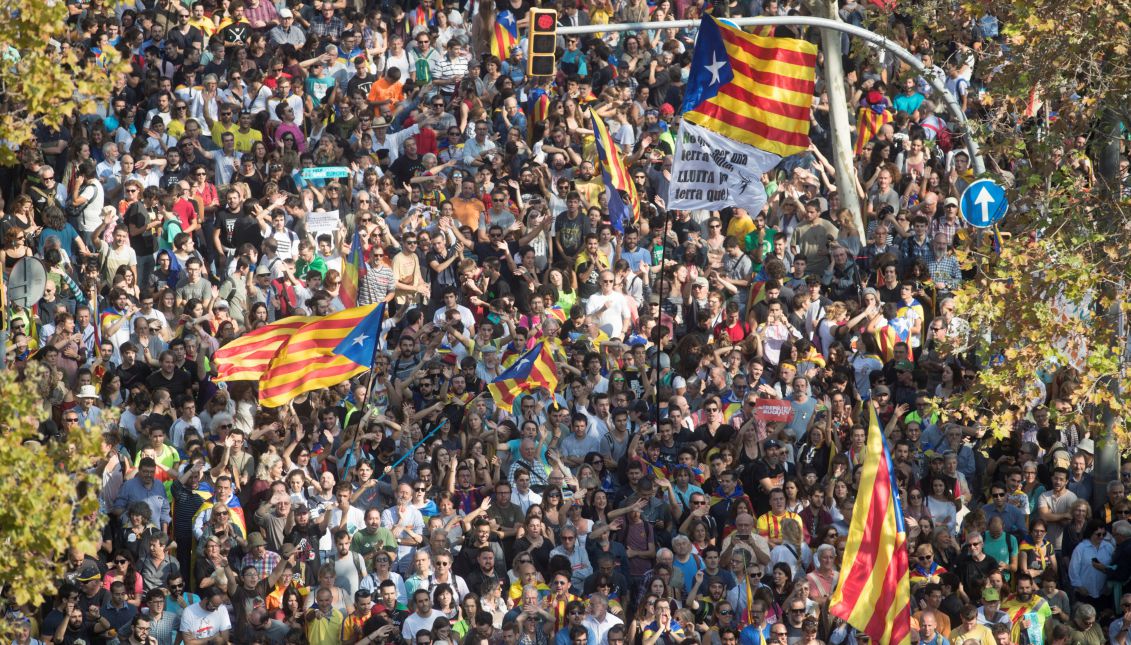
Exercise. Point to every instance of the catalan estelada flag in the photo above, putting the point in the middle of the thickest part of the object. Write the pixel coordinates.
(869, 120)
(353, 270)
(874, 591)
(505, 36)
(752, 89)
(532, 370)
(247, 357)
(307, 361)
(747, 107)
(616, 177)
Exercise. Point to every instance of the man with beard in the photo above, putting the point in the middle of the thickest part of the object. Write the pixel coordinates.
(1026, 606)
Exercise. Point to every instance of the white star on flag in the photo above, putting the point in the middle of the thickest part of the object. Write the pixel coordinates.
(714, 68)
(360, 340)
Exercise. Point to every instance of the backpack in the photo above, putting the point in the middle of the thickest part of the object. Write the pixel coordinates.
(942, 134)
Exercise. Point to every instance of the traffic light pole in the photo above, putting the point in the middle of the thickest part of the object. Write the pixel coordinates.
(958, 117)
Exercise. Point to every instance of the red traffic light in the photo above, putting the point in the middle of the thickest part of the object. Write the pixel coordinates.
(545, 22)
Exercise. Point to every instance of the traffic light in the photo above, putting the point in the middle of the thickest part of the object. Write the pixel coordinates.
(542, 55)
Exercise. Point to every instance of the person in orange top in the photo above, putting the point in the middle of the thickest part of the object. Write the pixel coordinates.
(387, 90)
(467, 207)
(769, 524)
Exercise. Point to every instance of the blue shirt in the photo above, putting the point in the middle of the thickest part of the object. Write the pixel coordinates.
(562, 638)
(154, 497)
(751, 635)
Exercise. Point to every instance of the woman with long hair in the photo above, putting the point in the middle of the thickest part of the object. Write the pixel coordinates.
(793, 550)
(781, 585)
(940, 504)
(121, 569)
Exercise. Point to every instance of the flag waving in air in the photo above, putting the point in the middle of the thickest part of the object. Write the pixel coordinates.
(874, 591)
(747, 106)
(505, 36)
(532, 370)
(616, 177)
(308, 360)
(353, 270)
(247, 357)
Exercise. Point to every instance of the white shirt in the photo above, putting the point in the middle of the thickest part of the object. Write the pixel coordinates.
(416, 622)
(601, 628)
(198, 623)
(611, 320)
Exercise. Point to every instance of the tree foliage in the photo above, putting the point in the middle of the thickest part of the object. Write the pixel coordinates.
(1051, 305)
(44, 77)
(50, 496)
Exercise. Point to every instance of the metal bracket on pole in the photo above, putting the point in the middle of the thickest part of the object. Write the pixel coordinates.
(952, 105)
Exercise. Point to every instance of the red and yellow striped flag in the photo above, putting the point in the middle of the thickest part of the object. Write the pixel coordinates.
(874, 591)
(247, 357)
(616, 177)
(532, 370)
(868, 124)
(307, 361)
(752, 89)
(505, 36)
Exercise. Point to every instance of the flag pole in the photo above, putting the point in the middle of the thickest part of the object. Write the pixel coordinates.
(659, 323)
(408, 453)
(426, 437)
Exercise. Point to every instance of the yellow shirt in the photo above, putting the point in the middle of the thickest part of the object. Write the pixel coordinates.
(740, 227)
(218, 129)
(979, 632)
(326, 630)
(244, 140)
(769, 525)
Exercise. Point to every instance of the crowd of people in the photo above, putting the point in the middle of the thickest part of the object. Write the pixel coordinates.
(649, 499)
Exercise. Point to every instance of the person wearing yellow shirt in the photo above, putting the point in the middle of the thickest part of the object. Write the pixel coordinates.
(769, 523)
(323, 621)
(245, 135)
(971, 629)
(589, 184)
(740, 224)
(592, 253)
(225, 125)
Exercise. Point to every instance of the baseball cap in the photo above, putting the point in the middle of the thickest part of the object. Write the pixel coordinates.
(950, 201)
(990, 594)
(880, 389)
(772, 443)
(904, 366)
(666, 109)
(286, 13)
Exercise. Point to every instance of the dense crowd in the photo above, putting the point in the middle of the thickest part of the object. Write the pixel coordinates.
(650, 498)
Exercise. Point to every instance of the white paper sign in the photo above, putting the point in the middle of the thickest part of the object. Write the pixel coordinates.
(712, 172)
(322, 222)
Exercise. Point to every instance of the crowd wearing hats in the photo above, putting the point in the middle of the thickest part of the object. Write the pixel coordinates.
(260, 156)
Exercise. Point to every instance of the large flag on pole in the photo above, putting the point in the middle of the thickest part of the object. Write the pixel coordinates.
(874, 591)
(307, 361)
(746, 107)
(247, 357)
(616, 177)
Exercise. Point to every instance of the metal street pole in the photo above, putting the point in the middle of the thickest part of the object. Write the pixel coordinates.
(958, 117)
(838, 119)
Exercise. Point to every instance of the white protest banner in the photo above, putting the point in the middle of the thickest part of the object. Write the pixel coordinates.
(712, 172)
(322, 222)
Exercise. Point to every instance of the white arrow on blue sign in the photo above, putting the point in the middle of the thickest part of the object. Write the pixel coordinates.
(983, 203)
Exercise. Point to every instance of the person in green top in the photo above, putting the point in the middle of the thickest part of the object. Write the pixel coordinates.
(308, 260)
(373, 539)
